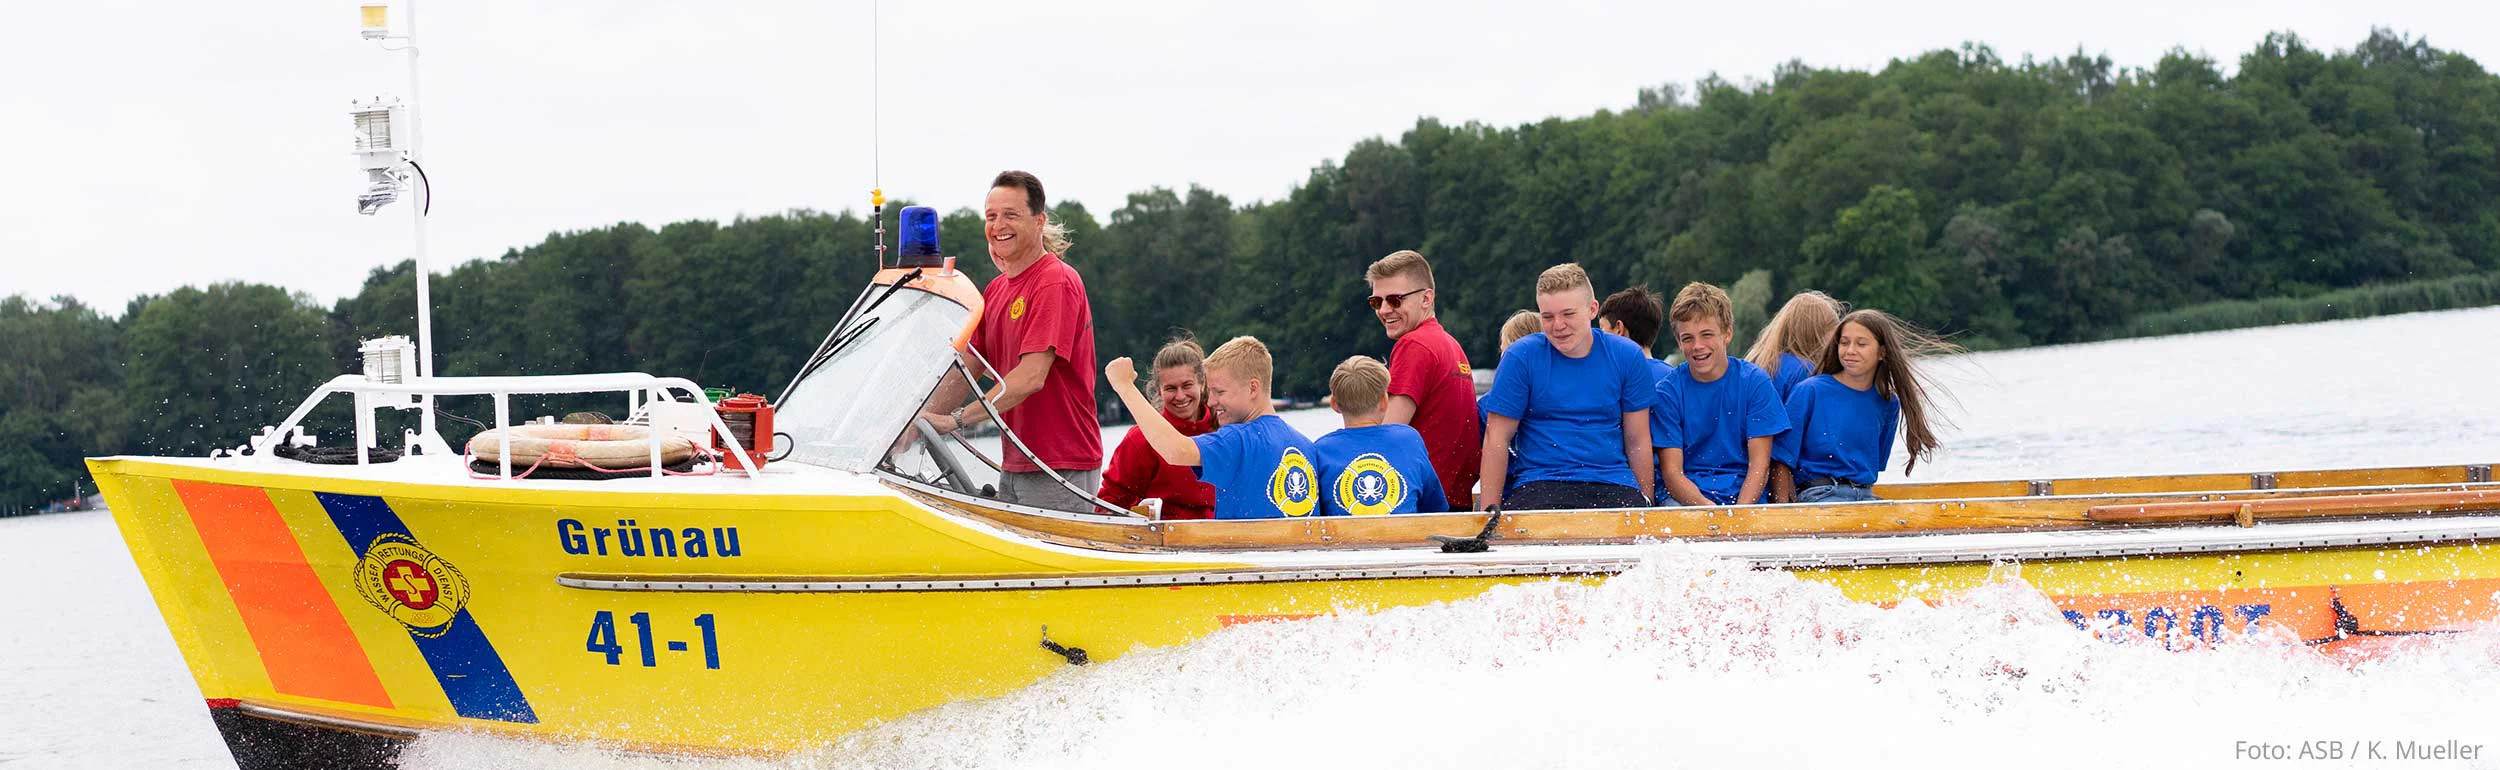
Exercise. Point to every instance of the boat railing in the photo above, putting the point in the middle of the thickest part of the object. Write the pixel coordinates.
(1006, 436)
(418, 394)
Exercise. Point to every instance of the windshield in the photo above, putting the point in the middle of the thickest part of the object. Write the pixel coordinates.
(846, 413)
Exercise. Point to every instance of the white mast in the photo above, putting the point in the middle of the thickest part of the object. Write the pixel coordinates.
(392, 165)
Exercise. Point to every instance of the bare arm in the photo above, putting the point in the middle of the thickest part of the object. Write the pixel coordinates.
(1167, 440)
(1757, 470)
(1019, 384)
(950, 393)
(1495, 467)
(1678, 487)
(1636, 451)
(1401, 410)
(1783, 484)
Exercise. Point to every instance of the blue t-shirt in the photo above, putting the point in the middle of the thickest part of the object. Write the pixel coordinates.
(1377, 469)
(1570, 410)
(1510, 473)
(1793, 370)
(1658, 370)
(1837, 431)
(1711, 421)
(1261, 469)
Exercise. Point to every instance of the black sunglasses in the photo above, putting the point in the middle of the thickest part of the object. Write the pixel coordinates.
(1393, 300)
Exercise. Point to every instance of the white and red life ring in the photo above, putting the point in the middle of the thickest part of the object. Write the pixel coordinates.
(596, 447)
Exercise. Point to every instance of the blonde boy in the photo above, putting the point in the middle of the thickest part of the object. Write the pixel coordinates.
(1261, 467)
(1716, 415)
(1372, 466)
(1573, 405)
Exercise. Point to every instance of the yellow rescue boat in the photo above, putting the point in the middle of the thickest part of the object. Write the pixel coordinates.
(332, 612)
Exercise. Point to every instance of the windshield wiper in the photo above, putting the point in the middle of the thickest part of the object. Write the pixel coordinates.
(843, 336)
(841, 340)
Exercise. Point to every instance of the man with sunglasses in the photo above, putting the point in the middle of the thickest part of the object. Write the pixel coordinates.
(1431, 387)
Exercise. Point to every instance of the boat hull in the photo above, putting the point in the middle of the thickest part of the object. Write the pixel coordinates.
(333, 618)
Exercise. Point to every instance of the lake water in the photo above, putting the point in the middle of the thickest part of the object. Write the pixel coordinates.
(1677, 664)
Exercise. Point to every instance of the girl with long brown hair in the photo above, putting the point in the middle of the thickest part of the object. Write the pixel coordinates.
(1791, 343)
(1842, 422)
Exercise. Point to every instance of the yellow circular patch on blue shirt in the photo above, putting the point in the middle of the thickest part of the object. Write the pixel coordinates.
(1294, 487)
(1370, 486)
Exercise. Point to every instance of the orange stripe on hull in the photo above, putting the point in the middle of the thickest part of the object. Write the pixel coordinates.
(2372, 609)
(303, 640)
(1229, 621)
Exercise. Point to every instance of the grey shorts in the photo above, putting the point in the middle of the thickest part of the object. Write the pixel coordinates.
(1036, 489)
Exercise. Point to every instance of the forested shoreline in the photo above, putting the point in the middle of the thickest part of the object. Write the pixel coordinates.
(2007, 203)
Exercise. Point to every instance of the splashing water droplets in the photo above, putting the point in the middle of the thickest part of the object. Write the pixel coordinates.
(1686, 662)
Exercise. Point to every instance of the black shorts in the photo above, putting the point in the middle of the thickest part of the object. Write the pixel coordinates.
(1571, 495)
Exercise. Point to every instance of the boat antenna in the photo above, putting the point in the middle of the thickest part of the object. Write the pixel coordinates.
(876, 127)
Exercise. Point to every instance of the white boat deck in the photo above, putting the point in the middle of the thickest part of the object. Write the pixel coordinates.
(446, 470)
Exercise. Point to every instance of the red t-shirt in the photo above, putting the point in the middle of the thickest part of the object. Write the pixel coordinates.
(1137, 472)
(1427, 366)
(1044, 308)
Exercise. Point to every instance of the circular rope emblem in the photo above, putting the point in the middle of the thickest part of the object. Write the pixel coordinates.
(411, 584)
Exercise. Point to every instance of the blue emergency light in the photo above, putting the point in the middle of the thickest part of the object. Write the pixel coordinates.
(920, 238)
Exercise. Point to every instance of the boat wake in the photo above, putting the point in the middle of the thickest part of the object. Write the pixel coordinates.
(1683, 662)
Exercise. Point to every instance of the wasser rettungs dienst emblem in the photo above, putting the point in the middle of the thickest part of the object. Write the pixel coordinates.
(411, 584)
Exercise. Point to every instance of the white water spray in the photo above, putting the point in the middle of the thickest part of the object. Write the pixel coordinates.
(1683, 662)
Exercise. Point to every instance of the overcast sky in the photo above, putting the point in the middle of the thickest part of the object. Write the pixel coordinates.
(148, 145)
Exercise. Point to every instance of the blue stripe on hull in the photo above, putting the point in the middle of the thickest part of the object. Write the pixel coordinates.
(473, 676)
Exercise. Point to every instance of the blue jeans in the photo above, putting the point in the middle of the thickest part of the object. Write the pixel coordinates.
(1835, 493)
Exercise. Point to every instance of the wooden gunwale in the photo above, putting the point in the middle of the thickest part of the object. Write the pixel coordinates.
(1726, 523)
(2200, 482)
(1107, 533)
(2296, 507)
(1913, 515)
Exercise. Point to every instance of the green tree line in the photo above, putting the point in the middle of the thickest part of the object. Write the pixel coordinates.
(2008, 203)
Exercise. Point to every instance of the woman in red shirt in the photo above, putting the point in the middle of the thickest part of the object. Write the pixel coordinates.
(1136, 471)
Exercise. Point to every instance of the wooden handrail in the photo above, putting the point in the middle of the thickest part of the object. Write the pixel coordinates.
(2247, 512)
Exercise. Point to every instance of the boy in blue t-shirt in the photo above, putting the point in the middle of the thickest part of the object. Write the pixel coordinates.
(1372, 466)
(1573, 403)
(1260, 467)
(1716, 415)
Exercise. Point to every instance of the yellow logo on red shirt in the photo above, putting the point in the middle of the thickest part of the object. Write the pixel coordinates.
(1015, 310)
(1464, 370)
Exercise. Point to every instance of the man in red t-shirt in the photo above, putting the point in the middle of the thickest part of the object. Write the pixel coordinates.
(1431, 387)
(1037, 326)
(1137, 471)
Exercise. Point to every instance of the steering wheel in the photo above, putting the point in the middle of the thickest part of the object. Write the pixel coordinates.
(950, 468)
